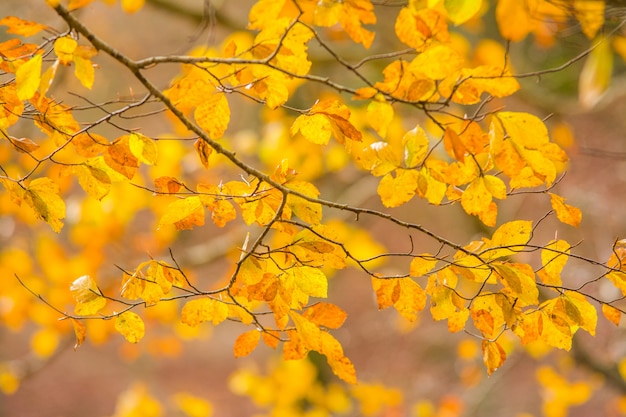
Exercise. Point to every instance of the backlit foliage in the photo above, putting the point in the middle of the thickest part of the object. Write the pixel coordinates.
(425, 118)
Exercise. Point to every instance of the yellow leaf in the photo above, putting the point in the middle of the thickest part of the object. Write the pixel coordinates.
(204, 151)
(495, 186)
(460, 11)
(132, 6)
(315, 128)
(412, 299)
(246, 343)
(612, 314)
(325, 315)
(493, 356)
(310, 335)
(213, 115)
(422, 264)
(416, 28)
(564, 212)
(476, 198)
(94, 181)
(28, 77)
(130, 325)
(380, 115)
(308, 211)
(590, 14)
(204, 309)
(193, 406)
(64, 48)
(436, 62)
(185, 213)
(144, 148)
(311, 281)
(21, 27)
(416, 148)
(80, 331)
(595, 76)
(43, 197)
(441, 304)
(89, 299)
(520, 279)
(430, 188)
(554, 256)
(399, 189)
(578, 306)
(457, 320)
(508, 239)
(557, 322)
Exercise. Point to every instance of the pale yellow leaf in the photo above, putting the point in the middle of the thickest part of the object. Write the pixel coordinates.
(28, 77)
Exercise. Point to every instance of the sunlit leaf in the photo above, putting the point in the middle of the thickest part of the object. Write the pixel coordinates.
(42, 195)
(204, 309)
(144, 148)
(131, 326)
(564, 212)
(89, 299)
(612, 314)
(64, 48)
(326, 315)
(184, 213)
(493, 356)
(395, 190)
(79, 331)
(246, 343)
(22, 27)
(28, 77)
(459, 11)
(213, 115)
(204, 151)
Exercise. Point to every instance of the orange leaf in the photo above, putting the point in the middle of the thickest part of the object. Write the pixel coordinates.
(20, 26)
(213, 115)
(271, 338)
(204, 151)
(326, 315)
(167, 185)
(493, 355)
(612, 314)
(564, 212)
(412, 299)
(120, 158)
(23, 144)
(184, 213)
(387, 291)
(246, 343)
(80, 331)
